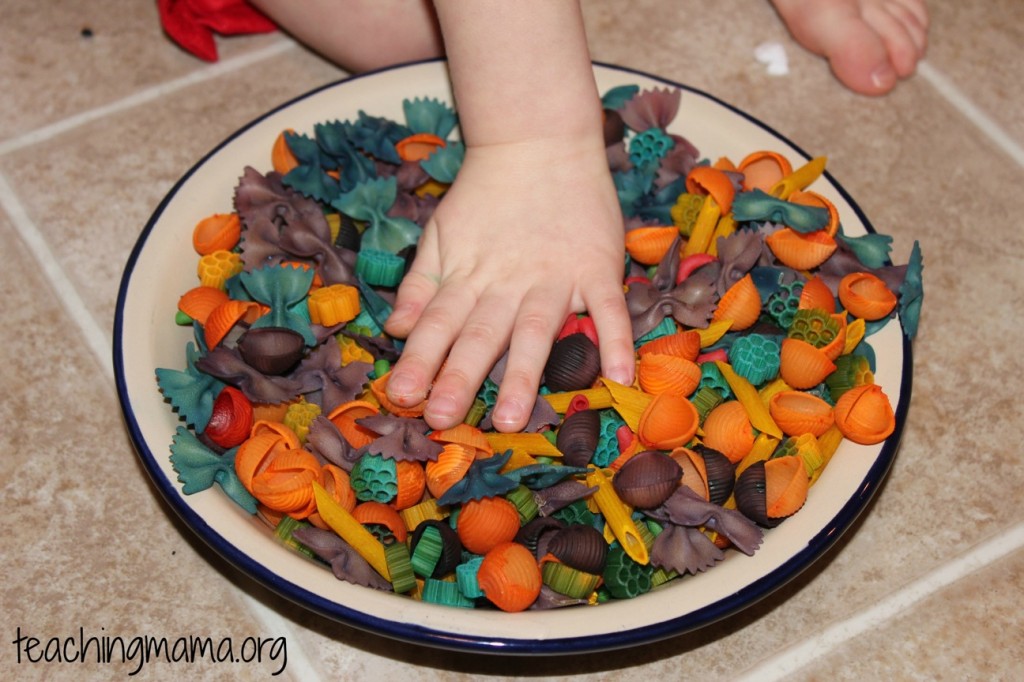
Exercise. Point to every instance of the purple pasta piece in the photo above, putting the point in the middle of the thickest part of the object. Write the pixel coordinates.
(541, 416)
(346, 564)
(687, 508)
(410, 176)
(684, 550)
(415, 208)
(691, 303)
(844, 261)
(227, 365)
(549, 599)
(322, 371)
(380, 347)
(400, 438)
(738, 253)
(654, 108)
(561, 495)
(665, 274)
(281, 224)
(327, 443)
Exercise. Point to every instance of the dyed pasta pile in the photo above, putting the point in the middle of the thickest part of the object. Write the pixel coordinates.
(752, 314)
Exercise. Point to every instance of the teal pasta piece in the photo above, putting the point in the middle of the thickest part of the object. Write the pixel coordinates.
(283, 288)
(369, 201)
(912, 292)
(444, 164)
(759, 206)
(616, 97)
(199, 468)
(755, 357)
(429, 115)
(872, 250)
(190, 392)
(623, 577)
(374, 478)
(481, 480)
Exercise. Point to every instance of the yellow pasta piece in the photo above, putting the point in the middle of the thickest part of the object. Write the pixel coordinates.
(530, 443)
(618, 516)
(333, 304)
(828, 443)
(418, 513)
(764, 446)
(854, 335)
(751, 401)
(517, 460)
(598, 398)
(726, 226)
(628, 402)
(216, 268)
(771, 388)
(713, 332)
(799, 179)
(351, 531)
(334, 224)
(704, 228)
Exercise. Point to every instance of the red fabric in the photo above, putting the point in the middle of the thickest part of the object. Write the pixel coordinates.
(192, 23)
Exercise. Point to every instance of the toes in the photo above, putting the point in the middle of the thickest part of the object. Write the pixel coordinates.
(870, 45)
(902, 31)
(861, 61)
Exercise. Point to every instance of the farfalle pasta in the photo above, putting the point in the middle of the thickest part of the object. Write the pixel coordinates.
(752, 316)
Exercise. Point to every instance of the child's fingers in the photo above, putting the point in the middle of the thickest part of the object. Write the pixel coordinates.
(539, 318)
(436, 330)
(479, 344)
(418, 287)
(607, 307)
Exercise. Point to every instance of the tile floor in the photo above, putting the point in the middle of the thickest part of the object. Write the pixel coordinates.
(96, 129)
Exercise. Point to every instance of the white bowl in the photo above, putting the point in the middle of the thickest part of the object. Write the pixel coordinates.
(161, 268)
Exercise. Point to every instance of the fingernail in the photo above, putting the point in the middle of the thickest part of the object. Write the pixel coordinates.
(401, 387)
(396, 317)
(398, 313)
(620, 375)
(883, 77)
(441, 407)
(508, 413)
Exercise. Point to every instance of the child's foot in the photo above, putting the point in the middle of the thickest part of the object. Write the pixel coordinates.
(870, 44)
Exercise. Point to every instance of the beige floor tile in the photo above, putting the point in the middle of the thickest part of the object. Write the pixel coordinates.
(917, 169)
(88, 543)
(979, 47)
(59, 72)
(119, 168)
(968, 631)
(884, 153)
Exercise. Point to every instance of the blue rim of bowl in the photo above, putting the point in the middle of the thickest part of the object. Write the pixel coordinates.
(411, 632)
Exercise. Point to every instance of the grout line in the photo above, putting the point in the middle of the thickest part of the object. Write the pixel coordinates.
(788, 660)
(785, 661)
(99, 341)
(963, 103)
(146, 95)
(96, 339)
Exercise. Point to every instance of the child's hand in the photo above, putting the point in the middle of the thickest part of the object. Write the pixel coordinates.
(528, 233)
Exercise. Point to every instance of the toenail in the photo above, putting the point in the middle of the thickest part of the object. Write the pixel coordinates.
(883, 77)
